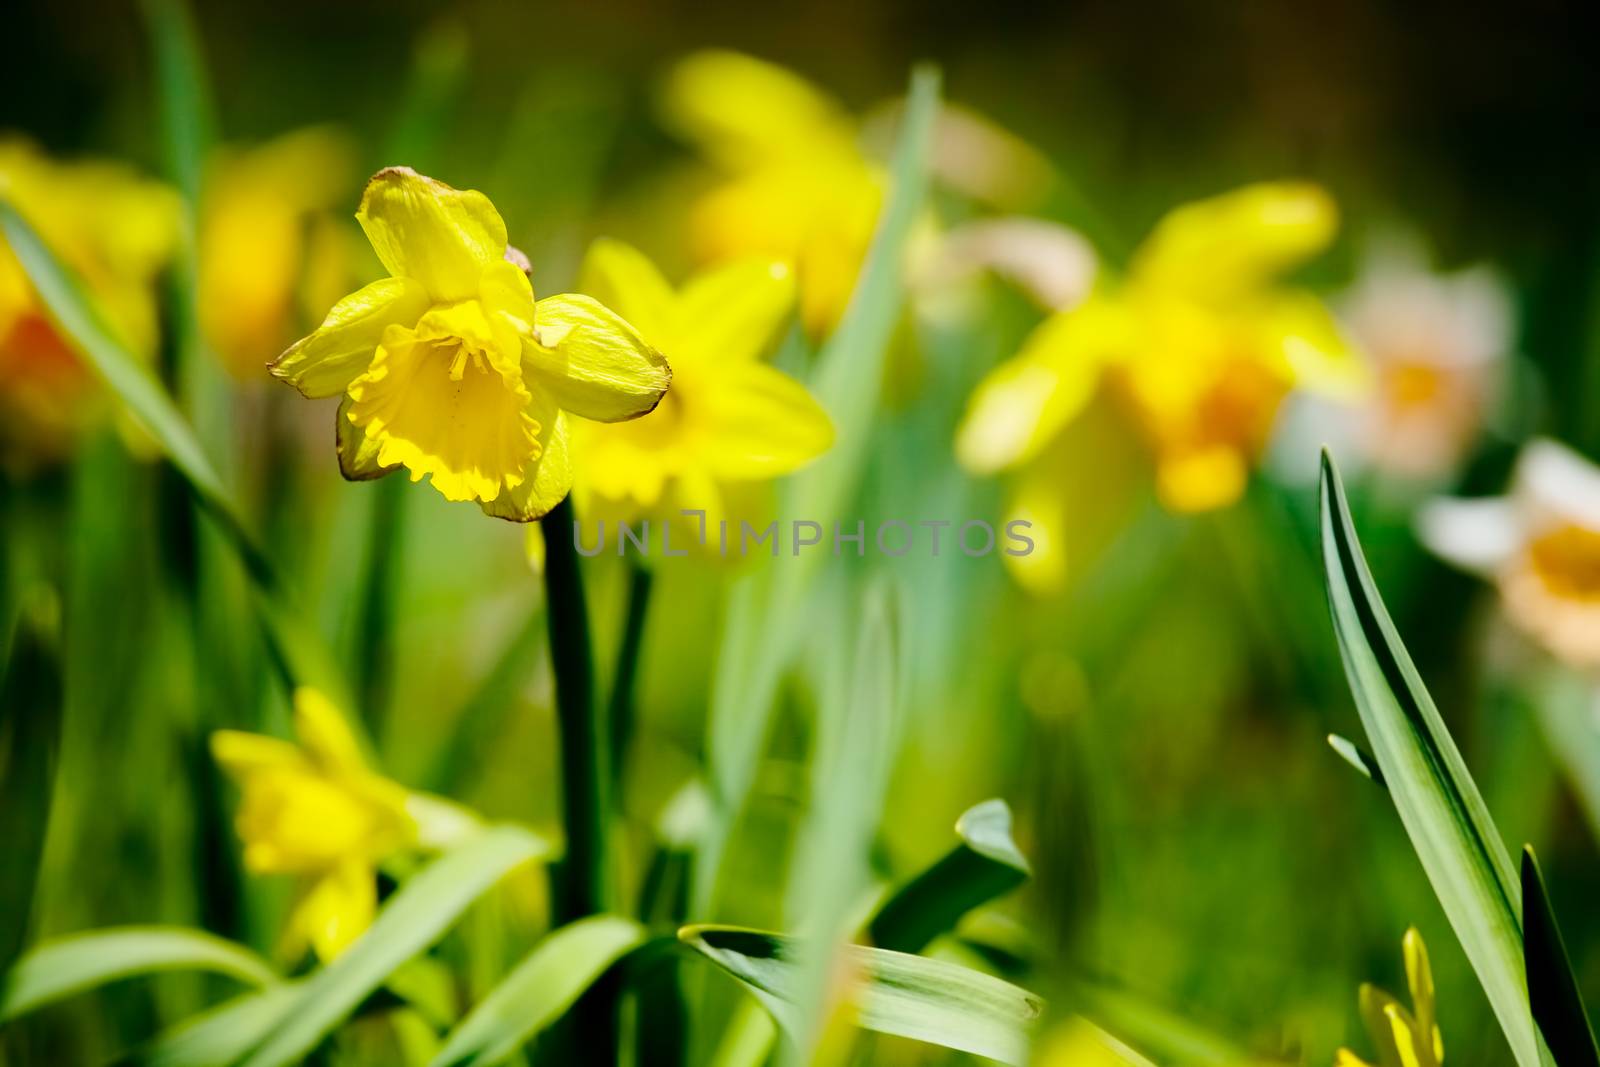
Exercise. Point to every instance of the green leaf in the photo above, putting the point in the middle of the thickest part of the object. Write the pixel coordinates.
(78, 317)
(184, 94)
(1553, 991)
(31, 698)
(984, 865)
(220, 1035)
(761, 631)
(57, 969)
(540, 989)
(894, 992)
(1357, 757)
(1443, 814)
(414, 918)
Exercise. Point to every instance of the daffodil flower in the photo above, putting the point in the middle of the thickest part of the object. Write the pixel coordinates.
(1404, 1038)
(316, 811)
(269, 246)
(117, 231)
(1540, 545)
(1438, 344)
(1199, 342)
(797, 186)
(729, 421)
(450, 369)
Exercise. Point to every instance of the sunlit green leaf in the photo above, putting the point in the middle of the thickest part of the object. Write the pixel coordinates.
(1553, 991)
(414, 918)
(539, 989)
(893, 992)
(984, 865)
(57, 969)
(1443, 814)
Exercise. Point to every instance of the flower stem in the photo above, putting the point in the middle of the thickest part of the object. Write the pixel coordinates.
(584, 885)
(624, 677)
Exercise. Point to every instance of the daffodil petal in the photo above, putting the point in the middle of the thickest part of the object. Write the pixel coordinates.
(759, 422)
(424, 229)
(1375, 1005)
(1475, 535)
(1038, 501)
(337, 909)
(1201, 478)
(1237, 240)
(358, 453)
(325, 363)
(1419, 979)
(593, 362)
(622, 278)
(1022, 404)
(325, 734)
(745, 111)
(732, 314)
(1318, 357)
(241, 754)
(548, 479)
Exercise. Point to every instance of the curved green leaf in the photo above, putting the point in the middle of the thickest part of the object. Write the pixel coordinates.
(1553, 991)
(893, 993)
(220, 1035)
(984, 865)
(540, 989)
(57, 969)
(414, 918)
(1443, 814)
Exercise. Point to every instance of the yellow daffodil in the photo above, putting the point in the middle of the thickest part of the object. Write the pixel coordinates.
(729, 420)
(449, 368)
(1404, 1038)
(270, 249)
(315, 810)
(1199, 343)
(797, 186)
(116, 231)
(1540, 545)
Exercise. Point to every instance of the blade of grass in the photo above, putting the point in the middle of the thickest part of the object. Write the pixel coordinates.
(759, 630)
(893, 992)
(31, 699)
(1439, 805)
(539, 990)
(60, 968)
(1553, 991)
(1357, 757)
(985, 864)
(78, 318)
(413, 919)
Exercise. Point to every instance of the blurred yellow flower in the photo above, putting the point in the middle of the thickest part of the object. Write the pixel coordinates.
(1404, 1038)
(1540, 545)
(449, 368)
(728, 420)
(117, 231)
(1199, 342)
(315, 810)
(271, 253)
(797, 186)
